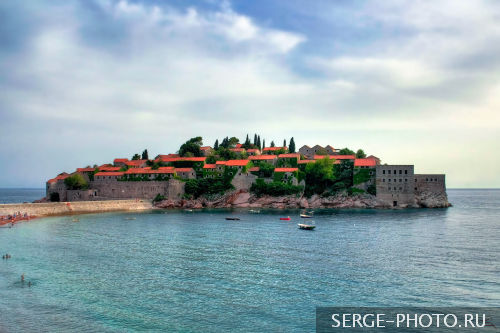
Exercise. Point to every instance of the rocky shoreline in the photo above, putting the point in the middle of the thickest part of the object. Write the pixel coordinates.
(244, 199)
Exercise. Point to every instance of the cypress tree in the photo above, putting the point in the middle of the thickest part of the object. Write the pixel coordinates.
(263, 144)
(258, 142)
(216, 144)
(272, 144)
(292, 146)
(145, 155)
(284, 143)
(255, 139)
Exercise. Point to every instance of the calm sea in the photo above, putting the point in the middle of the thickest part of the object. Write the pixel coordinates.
(197, 272)
(17, 195)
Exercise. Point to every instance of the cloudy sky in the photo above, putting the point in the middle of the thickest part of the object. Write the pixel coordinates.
(413, 82)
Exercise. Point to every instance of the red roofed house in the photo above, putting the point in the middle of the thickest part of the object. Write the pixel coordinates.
(365, 163)
(337, 157)
(274, 150)
(109, 168)
(264, 158)
(206, 150)
(120, 162)
(237, 150)
(253, 152)
(136, 163)
(286, 175)
(185, 173)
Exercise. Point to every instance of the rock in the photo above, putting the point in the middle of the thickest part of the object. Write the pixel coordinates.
(241, 199)
(303, 203)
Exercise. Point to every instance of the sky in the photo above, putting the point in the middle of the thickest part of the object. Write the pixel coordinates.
(412, 82)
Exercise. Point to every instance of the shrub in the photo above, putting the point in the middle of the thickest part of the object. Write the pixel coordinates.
(159, 197)
(372, 189)
(76, 182)
(260, 187)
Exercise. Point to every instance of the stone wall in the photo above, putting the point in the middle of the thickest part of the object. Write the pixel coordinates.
(243, 181)
(430, 183)
(395, 185)
(80, 207)
(108, 189)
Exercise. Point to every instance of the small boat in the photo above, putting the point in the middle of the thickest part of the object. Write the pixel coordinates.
(233, 218)
(285, 218)
(305, 216)
(188, 210)
(130, 218)
(306, 226)
(254, 211)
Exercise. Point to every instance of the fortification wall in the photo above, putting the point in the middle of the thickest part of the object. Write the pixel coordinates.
(395, 185)
(435, 183)
(79, 207)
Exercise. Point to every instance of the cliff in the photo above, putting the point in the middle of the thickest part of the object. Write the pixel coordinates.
(244, 199)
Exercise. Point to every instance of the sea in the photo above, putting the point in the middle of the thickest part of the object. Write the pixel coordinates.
(195, 271)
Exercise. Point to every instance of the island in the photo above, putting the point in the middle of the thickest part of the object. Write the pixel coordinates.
(249, 174)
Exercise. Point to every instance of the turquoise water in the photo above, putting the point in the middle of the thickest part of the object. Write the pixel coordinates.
(197, 272)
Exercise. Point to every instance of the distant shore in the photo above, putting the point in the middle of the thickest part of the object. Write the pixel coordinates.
(76, 207)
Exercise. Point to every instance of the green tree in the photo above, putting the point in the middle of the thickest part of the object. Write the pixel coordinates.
(291, 149)
(346, 151)
(233, 142)
(255, 139)
(76, 182)
(284, 143)
(191, 147)
(319, 176)
(322, 151)
(258, 142)
(272, 144)
(263, 144)
(360, 154)
(216, 144)
(145, 155)
(136, 157)
(247, 143)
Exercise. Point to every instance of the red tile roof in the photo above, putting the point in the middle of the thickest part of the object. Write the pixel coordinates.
(221, 162)
(238, 145)
(254, 169)
(369, 162)
(136, 163)
(184, 169)
(120, 160)
(337, 157)
(274, 148)
(50, 181)
(237, 162)
(85, 169)
(110, 174)
(167, 159)
(62, 176)
(262, 157)
(109, 168)
(293, 155)
(252, 150)
(209, 166)
(205, 148)
(148, 170)
(237, 150)
(285, 169)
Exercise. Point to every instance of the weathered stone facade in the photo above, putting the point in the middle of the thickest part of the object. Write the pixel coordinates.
(395, 185)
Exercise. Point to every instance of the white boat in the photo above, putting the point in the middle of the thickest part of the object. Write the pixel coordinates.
(305, 216)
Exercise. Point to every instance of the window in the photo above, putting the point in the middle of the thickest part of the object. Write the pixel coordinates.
(389, 171)
(395, 180)
(383, 180)
(406, 172)
(400, 180)
(400, 188)
(400, 172)
(389, 180)
(415, 180)
(406, 179)
(383, 172)
(426, 179)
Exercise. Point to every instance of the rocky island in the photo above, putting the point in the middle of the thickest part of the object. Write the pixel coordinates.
(249, 174)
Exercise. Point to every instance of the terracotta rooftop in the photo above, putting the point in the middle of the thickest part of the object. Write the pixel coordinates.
(369, 162)
(184, 169)
(274, 148)
(120, 160)
(285, 169)
(209, 166)
(262, 157)
(109, 168)
(292, 155)
(337, 157)
(237, 149)
(85, 169)
(205, 148)
(110, 174)
(220, 162)
(252, 150)
(254, 169)
(237, 162)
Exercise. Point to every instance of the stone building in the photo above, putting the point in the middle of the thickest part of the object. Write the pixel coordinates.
(310, 152)
(395, 185)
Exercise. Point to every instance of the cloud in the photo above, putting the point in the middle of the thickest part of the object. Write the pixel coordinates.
(86, 81)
